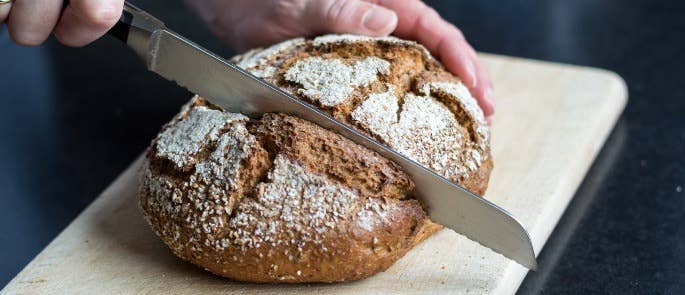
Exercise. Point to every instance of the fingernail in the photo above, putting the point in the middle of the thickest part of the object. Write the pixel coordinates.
(377, 18)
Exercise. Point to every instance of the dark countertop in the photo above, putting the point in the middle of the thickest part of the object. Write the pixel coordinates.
(74, 118)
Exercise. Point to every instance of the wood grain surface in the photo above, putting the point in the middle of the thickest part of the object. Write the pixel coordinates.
(551, 122)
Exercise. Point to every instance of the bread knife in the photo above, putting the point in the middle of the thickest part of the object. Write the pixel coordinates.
(224, 84)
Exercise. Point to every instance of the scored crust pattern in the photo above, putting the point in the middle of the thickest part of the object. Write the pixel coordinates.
(391, 89)
(280, 199)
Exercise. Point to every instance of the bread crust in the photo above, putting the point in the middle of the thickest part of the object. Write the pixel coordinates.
(422, 97)
(378, 227)
(280, 199)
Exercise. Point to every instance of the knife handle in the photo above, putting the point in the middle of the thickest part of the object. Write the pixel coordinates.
(123, 26)
(134, 19)
(135, 28)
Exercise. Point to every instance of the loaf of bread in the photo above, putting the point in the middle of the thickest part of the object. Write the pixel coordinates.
(280, 199)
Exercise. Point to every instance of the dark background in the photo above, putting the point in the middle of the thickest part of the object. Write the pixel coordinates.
(72, 119)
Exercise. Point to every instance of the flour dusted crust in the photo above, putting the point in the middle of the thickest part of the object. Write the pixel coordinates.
(280, 199)
(330, 81)
(393, 90)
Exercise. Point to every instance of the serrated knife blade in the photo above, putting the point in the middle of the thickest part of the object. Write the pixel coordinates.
(228, 86)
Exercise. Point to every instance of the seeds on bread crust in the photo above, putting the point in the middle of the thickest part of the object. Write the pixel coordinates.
(281, 199)
(391, 89)
(278, 200)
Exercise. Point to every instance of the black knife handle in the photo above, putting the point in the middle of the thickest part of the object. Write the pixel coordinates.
(123, 26)
(133, 18)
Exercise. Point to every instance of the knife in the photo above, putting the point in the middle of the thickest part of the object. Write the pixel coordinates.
(224, 84)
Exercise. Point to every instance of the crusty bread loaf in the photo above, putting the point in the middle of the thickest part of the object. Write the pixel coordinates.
(280, 199)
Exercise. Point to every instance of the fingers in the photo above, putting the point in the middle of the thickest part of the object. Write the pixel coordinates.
(31, 22)
(350, 16)
(285, 19)
(84, 21)
(483, 91)
(419, 22)
(4, 11)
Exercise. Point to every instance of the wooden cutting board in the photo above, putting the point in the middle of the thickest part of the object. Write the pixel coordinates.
(551, 122)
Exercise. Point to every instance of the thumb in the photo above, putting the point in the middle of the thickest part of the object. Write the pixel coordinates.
(350, 16)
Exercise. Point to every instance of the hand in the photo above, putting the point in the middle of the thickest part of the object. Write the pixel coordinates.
(30, 22)
(245, 24)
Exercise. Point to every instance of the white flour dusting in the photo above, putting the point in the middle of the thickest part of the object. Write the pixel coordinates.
(330, 81)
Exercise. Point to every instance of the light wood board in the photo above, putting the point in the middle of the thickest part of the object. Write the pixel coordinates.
(551, 122)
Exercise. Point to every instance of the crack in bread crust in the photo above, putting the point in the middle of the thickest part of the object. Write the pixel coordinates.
(280, 199)
(328, 210)
(459, 152)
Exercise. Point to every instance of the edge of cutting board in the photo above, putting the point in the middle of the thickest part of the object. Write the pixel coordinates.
(33, 277)
(515, 274)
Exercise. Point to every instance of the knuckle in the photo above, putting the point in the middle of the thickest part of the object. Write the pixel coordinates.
(457, 32)
(103, 16)
(333, 14)
(426, 19)
(428, 16)
(287, 10)
(431, 12)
